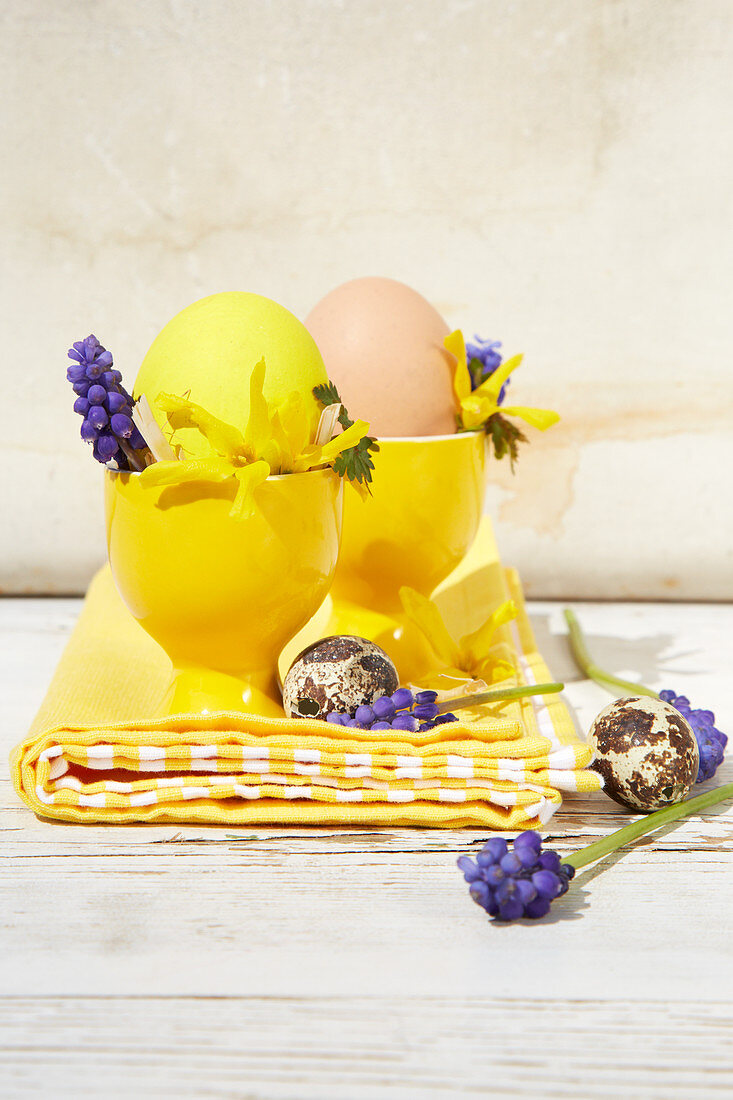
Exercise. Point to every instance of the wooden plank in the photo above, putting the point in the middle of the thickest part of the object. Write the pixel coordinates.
(336, 963)
(274, 1048)
(575, 825)
(235, 921)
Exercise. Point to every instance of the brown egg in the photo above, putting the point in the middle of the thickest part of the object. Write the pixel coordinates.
(382, 344)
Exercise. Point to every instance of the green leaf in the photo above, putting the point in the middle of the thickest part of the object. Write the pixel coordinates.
(356, 463)
(505, 437)
(476, 370)
(327, 394)
(344, 419)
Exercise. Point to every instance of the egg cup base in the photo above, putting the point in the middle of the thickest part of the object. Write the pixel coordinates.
(204, 691)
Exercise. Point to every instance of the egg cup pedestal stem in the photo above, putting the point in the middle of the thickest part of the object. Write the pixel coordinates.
(223, 595)
(204, 690)
(414, 529)
(394, 632)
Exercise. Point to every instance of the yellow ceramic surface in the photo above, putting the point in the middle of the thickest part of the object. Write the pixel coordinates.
(416, 527)
(222, 596)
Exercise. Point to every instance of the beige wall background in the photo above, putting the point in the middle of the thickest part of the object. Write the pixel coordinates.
(553, 173)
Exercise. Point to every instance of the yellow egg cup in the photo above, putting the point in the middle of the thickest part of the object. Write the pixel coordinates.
(413, 530)
(223, 596)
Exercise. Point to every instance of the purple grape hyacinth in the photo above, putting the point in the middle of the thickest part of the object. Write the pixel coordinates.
(710, 741)
(400, 711)
(104, 403)
(483, 359)
(524, 882)
(519, 882)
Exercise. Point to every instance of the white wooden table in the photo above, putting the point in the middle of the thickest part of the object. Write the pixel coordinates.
(332, 963)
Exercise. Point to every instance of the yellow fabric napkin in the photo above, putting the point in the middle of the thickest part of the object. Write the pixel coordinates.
(95, 754)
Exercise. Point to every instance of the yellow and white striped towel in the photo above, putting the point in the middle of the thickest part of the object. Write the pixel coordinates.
(93, 754)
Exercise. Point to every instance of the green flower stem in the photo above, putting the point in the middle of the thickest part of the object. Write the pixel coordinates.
(648, 824)
(591, 670)
(498, 696)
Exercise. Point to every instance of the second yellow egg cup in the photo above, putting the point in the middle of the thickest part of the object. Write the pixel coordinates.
(223, 596)
(417, 525)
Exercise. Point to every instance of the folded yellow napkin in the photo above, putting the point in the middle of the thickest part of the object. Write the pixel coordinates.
(94, 754)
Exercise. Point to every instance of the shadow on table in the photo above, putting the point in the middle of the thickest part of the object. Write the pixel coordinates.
(616, 655)
(570, 907)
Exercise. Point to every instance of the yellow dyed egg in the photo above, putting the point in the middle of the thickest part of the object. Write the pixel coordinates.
(382, 344)
(208, 351)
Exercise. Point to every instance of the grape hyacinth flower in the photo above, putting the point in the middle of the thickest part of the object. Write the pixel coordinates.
(400, 711)
(710, 741)
(523, 881)
(483, 359)
(422, 711)
(519, 882)
(105, 405)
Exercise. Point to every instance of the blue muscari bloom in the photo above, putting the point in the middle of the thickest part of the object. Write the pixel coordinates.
(91, 357)
(103, 402)
(710, 741)
(488, 358)
(400, 711)
(439, 720)
(519, 882)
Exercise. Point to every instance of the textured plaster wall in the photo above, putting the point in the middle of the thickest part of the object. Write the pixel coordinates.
(555, 173)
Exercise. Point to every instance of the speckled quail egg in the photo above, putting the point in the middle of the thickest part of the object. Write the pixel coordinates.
(646, 752)
(338, 673)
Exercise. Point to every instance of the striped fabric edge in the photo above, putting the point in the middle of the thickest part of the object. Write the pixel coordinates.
(459, 771)
(68, 792)
(202, 757)
(276, 812)
(56, 787)
(56, 760)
